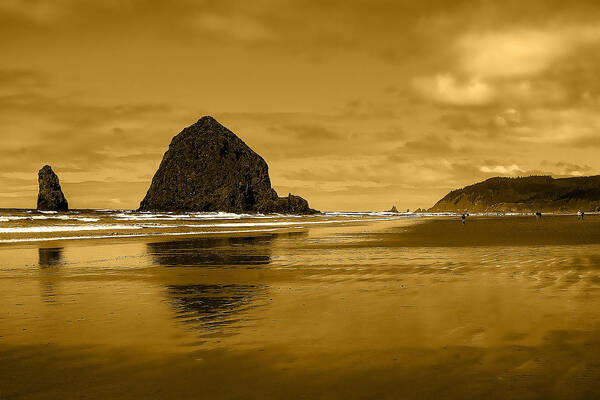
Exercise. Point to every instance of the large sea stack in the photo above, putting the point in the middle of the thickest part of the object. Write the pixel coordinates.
(50, 195)
(525, 194)
(208, 168)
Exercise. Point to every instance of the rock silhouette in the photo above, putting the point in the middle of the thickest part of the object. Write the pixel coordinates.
(393, 209)
(50, 195)
(525, 194)
(208, 168)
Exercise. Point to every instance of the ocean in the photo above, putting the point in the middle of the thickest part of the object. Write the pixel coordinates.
(117, 304)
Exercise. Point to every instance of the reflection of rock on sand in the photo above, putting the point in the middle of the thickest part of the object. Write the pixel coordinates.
(224, 251)
(49, 257)
(211, 306)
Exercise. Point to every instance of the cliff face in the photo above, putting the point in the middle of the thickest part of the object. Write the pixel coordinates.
(208, 168)
(50, 195)
(528, 194)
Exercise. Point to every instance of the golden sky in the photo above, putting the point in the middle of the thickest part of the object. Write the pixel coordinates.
(355, 105)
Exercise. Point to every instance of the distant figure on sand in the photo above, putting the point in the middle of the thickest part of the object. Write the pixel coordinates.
(580, 214)
(538, 215)
(463, 218)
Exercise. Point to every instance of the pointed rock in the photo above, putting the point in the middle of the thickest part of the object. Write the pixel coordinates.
(50, 195)
(393, 209)
(208, 168)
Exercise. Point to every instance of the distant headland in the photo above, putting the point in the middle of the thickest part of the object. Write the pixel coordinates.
(525, 194)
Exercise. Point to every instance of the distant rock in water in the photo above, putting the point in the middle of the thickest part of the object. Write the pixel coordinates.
(527, 194)
(50, 195)
(208, 168)
(393, 209)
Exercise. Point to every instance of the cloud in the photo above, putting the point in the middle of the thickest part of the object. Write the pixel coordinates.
(12, 80)
(565, 127)
(340, 172)
(502, 169)
(562, 168)
(36, 11)
(430, 145)
(238, 27)
(512, 67)
(312, 132)
(446, 89)
(508, 118)
(556, 169)
(509, 54)
(520, 52)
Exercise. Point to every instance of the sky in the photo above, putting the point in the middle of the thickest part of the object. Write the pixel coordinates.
(355, 105)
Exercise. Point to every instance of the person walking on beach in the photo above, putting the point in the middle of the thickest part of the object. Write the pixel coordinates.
(580, 214)
(538, 215)
(463, 218)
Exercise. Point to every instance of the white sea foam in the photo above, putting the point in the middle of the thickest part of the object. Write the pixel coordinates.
(357, 213)
(387, 214)
(67, 228)
(133, 235)
(44, 217)
(281, 223)
(142, 216)
(370, 214)
(85, 227)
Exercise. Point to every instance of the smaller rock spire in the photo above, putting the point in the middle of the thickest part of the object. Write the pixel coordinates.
(50, 195)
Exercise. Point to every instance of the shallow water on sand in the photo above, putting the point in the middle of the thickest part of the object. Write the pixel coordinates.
(347, 306)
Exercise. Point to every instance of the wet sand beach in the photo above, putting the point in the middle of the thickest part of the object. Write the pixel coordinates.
(326, 307)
